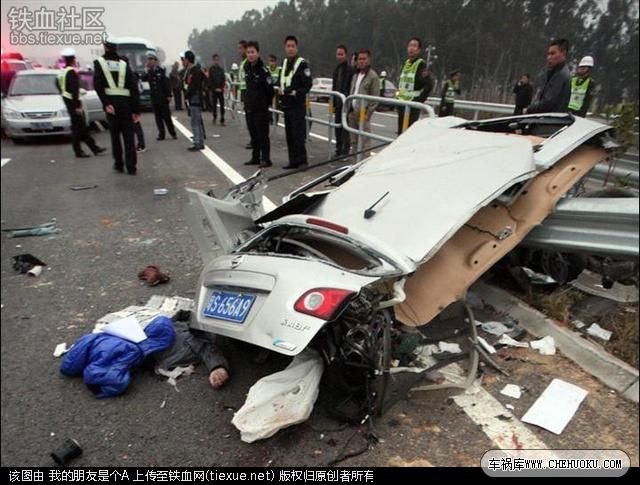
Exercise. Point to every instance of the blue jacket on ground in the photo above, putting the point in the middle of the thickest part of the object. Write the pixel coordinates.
(104, 361)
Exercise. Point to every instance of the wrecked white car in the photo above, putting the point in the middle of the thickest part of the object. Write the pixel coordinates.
(397, 237)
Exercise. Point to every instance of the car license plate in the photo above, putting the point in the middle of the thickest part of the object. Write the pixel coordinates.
(233, 307)
(41, 126)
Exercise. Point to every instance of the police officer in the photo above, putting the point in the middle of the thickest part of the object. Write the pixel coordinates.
(415, 82)
(160, 95)
(449, 90)
(295, 83)
(69, 85)
(582, 87)
(117, 88)
(242, 83)
(256, 103)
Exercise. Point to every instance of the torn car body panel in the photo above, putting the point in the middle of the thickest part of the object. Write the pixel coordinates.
(488, 236)
(444, 203)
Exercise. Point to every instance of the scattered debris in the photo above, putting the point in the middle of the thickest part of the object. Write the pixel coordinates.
(39, 230)
(538, 278)
(546, 345)
(173, 375)
(596, 330)
(510, 407)
(512, 390)
(164, 403)
(60, 349)
(449, 347)
(508, 341)
(556, 406)
(35, 271)
(69, 450)
(486, 346)
(84, 187)
(160, 191)
(126, 328)
(579, 324)
(281, 399)
(26, 263)
(496, 328)
(152, 275)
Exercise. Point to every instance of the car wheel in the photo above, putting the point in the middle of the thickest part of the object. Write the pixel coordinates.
(18, 141)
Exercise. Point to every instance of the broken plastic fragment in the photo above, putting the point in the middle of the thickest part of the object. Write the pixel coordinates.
(60, 349)
(449, 347)
(546, 345)
(596, 330)
(512, 390)
(488, 347)
(506, 340)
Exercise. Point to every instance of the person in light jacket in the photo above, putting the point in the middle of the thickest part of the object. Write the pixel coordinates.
(364, 81)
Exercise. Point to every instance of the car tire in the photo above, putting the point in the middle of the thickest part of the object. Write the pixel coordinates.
(18, 141)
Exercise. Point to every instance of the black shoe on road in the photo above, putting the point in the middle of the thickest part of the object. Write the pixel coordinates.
(99, 150)
(118, 168)
(82, 155)
(174, 136)
(252, 162)
(160, 138)
(195, 148)
(266, 164)
(248, 146)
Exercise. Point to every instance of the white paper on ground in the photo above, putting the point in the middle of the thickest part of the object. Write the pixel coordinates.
(282, 399)
(556, 406)
(596, 330)
(127, 328)
(546, 345)
(512, 390)
(538, 277)
(60, 349)
(506, 340)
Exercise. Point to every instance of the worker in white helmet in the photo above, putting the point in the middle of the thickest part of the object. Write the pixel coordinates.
(582, 87)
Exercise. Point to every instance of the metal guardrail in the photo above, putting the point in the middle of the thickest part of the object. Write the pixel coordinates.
(600, 226)
(362, 100)
(477, 107)
(622, 171)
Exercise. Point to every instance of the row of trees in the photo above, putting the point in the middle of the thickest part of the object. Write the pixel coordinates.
(491, 41)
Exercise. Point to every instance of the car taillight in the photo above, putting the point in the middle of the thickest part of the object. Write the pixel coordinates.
(322, 302)
(328, 225)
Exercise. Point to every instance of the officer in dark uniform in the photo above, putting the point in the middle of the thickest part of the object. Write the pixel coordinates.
(295, 83)
(160, 95)
(257, 100)
(117, 88)
(69, 85)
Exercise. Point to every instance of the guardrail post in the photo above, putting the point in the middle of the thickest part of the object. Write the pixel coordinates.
(361, 118)
(331, 112)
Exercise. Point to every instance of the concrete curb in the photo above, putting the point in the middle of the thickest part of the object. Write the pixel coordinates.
(610, 370)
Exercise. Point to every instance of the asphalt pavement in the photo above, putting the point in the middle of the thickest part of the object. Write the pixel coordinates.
(108, 233)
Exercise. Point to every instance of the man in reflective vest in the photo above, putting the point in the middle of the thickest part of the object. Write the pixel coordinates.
(295, 83)
(415, 83)
(582, 87)
(449, 90)
(69, 85)
(117, 88)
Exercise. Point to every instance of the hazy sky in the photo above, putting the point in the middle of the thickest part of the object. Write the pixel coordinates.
(166, 23)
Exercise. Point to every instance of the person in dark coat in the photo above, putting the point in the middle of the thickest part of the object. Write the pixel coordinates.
(342, 75)
(175, 81)
(117, 88)
(556, 92)
(216, 88)
(193, 80)
(69, 85)
(295, 83)
(160, 96)
(524, 92)
(257, 101)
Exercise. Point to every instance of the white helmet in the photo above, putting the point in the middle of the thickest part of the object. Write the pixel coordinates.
(586, 61)
(234, 66)
(68, 52)
(383, 73)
